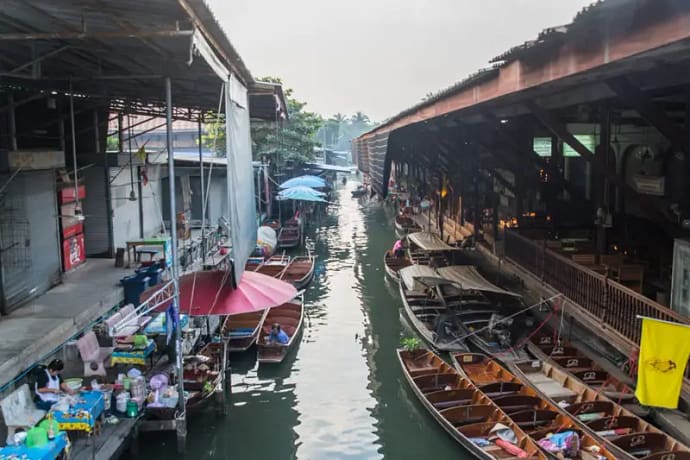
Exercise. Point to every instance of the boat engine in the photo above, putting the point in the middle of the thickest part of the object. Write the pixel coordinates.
(500, 329)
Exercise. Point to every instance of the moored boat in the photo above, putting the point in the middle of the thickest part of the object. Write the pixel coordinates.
(290, 234)
(405, 225)
(290, 317)
(426, 309)
(467, 415)
(539, 417)
(299, 271)
(393, 264)
(573, 361)
(203, 375)
(632, 436)
(241, 331)
(358, 192)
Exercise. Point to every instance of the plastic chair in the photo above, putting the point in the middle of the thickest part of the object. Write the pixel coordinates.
(93, 354)
(19, 411)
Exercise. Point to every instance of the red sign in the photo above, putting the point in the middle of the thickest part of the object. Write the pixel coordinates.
(71, 230)
(73, 253)
(66, 195)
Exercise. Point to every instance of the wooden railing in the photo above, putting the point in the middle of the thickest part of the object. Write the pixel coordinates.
(613, 304)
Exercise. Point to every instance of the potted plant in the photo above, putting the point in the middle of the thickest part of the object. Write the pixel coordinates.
(412, 345)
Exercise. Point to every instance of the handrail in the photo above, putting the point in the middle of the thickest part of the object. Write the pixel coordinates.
(613, 304)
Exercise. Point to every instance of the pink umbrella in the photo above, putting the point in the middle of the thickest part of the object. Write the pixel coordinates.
(209, 293)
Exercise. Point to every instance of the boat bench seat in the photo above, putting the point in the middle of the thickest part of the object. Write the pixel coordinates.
(555, 391)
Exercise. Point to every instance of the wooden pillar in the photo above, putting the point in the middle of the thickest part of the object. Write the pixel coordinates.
(602, 183)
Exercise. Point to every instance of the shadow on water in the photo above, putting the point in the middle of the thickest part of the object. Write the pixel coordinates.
(341, 395)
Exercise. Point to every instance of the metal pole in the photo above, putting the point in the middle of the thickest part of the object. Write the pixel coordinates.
(203, 201)
(173, 242)
(74, 150)
(13, 122)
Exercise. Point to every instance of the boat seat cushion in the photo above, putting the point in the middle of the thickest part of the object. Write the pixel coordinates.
(555, 391)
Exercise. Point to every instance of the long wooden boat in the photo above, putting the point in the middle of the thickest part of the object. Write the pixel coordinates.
(405, 225)
(462, 410)
(290, 234)
(632, 436)
(203, 375)
(537, 415)
(241, 331)
(575, 362)
(274, 267)
(393, 264)
(469, 315)
(290, 316)
(429, 315)
(299, 271)
(358, 192)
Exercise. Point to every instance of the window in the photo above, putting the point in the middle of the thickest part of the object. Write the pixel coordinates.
(542, 146)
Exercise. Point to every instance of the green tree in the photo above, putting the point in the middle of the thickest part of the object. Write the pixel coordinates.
(293, 139)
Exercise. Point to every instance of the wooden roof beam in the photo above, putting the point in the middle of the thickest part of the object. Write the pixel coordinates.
(559, 129)
(655, 115)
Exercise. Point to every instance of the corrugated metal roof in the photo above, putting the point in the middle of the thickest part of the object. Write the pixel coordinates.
(118, 50)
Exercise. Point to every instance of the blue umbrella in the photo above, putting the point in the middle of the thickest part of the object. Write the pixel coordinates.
(301, 193)
(305, 181)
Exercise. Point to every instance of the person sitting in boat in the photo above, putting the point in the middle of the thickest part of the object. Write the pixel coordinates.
(49, 385)
(278, 336)
(398, 249)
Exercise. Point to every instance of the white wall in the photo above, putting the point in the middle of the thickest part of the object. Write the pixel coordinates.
(126, 213)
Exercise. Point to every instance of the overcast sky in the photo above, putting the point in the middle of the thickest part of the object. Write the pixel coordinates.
(379, 56)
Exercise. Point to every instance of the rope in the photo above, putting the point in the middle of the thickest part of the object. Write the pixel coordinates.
(529, 337)
(502, 320)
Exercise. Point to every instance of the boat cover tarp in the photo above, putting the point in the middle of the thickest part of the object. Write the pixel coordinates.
(429, 242)
(408, 274)
(469, 278)
(466, 276)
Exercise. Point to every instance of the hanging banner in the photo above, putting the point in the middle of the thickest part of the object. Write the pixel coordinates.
(664, 353)
(240, 176)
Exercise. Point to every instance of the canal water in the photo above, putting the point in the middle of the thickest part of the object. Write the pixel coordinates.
(341, 394)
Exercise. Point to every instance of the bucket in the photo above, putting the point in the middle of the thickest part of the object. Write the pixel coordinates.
(121, 402)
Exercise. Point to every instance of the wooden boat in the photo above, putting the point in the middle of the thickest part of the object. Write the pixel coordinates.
(358, 192)
(575, 362)
(463, 411)
(290, 234)
(273, 267)
(624, 431)
(393, 264)
(300, 271)
(202, 375)
(405, 225)
(535, 414)
(487, 329)
(242, 330)
(290, 316)
(468, 314)
(429, 315)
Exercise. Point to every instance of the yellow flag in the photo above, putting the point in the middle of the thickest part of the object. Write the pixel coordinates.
(664, 352)
(141, 153)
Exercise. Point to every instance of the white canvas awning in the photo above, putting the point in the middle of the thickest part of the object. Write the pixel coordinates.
(429, 242)
(408, 274)
(469, 278)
